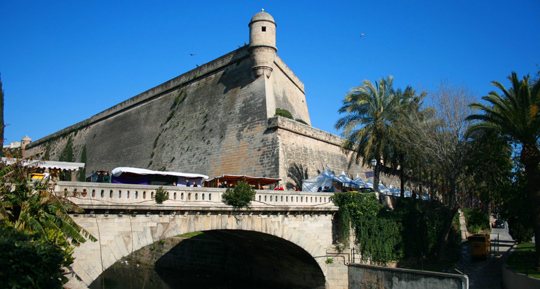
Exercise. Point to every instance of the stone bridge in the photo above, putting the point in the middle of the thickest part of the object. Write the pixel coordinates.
(125, 218)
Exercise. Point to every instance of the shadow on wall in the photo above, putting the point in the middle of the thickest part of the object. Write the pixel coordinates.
(239, 259)
(237, 75)
(215, 259)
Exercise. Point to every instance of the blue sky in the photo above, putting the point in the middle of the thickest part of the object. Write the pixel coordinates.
(64, 61)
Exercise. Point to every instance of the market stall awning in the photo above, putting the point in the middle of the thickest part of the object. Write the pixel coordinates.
(121, 170)
(56, 165)
(263, 181)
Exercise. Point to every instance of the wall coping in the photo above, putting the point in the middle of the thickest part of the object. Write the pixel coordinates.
(289, 73)
(293, 126)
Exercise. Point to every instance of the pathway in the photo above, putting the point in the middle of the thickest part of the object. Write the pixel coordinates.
(487, 273)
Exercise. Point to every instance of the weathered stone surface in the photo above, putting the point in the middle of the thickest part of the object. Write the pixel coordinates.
(119, 236)
(215, 119)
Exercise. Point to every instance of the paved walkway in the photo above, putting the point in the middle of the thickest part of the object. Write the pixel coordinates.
(487, 273)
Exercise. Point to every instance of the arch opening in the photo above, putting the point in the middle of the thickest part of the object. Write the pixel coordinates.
(216, 259)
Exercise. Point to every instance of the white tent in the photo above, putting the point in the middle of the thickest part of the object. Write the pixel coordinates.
(344, 180)
(358, 182)
(325, 179)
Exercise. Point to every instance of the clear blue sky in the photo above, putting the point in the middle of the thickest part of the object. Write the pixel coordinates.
(64, 61)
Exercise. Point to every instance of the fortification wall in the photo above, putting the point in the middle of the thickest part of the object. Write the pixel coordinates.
(211, 120)
(287, 92)
(315, 150)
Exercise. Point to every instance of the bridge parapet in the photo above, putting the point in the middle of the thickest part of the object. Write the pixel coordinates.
(110, 196)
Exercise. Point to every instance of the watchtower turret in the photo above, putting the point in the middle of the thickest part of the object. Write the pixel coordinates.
(262, 43)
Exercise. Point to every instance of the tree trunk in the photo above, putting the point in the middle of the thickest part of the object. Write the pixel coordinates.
(402, 184)
(376, 171)
(401, 177)
(530, 157)
(443, 238)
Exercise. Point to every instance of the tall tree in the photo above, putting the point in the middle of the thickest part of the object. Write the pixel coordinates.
(515, 114)
(369, 112)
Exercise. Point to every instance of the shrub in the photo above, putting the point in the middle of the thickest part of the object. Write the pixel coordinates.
(477, 221)
(301, 121)
(412, 230)
(520, 230)
(284, 113)
(29, 262)
(240, 196)
(161, 195)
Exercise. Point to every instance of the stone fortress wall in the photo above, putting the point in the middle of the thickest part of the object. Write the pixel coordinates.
(216, 119)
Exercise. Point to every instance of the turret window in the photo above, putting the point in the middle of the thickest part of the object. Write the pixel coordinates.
(263, 29)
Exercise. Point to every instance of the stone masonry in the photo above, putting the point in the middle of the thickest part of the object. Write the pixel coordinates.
(216, 119)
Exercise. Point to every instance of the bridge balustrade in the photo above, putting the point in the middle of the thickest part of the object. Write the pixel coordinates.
(126, 196)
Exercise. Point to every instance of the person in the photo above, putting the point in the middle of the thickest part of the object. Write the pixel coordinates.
(319, 189)
(188, 183)
(107, 178)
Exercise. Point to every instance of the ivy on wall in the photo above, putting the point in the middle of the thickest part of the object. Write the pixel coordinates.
(413, 230)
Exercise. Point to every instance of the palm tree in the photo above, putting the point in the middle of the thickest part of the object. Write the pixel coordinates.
(515, 114)
(298, 174)
(370, 111)
(33, 208)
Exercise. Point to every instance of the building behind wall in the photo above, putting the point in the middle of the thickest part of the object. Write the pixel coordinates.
(216, 119)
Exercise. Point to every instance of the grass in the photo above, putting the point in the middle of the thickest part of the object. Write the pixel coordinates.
(190, 235)
(522, 260)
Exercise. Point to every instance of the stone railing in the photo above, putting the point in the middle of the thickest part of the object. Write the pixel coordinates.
(108, 196)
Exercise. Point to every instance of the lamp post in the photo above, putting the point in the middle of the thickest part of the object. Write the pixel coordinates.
(374, 164)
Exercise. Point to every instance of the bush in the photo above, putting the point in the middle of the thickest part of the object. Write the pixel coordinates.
(240, 196)
(301, 121)
(284, 113)
(520, 230)
(29, 262)
(477, 221)
(413, 230)
(161, 195)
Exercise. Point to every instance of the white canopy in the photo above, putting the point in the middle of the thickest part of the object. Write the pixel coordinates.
(325, 179)
(120, 170)
(67, 166)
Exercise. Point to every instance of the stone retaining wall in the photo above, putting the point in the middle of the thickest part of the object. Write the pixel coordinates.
(365, 276)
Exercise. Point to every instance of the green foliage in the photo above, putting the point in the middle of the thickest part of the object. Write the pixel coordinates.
(298, 174)
(518, 210)
(161, 195)
(353, 206)
(29, 261)
(47, 154)
(284, 113)
(477, 221)
(67, 153)
(301, 121)
(329, 260)
(67, 156)
(413, 230)
(522, 260)
(240, 196)
(46, 233)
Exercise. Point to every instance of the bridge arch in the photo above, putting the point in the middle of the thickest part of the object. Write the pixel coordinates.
(238, 258)
(120, 235)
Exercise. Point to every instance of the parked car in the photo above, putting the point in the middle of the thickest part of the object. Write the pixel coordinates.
(498, 224)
